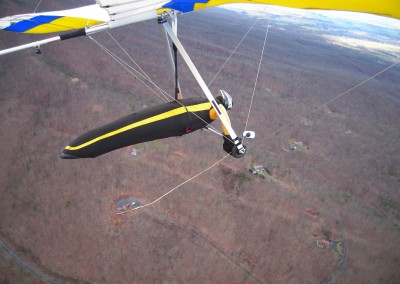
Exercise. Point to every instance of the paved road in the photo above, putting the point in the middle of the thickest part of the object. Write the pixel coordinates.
(7, 250)
(342, 262)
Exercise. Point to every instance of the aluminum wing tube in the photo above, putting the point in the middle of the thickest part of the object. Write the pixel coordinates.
(202, 84)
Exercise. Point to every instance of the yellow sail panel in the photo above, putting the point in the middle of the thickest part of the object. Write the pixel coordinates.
(388, 8)
(63, 24)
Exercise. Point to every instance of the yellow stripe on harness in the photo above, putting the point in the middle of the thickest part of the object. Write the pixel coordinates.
(159, 117)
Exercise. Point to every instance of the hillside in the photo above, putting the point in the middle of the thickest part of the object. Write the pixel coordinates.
(329, 212)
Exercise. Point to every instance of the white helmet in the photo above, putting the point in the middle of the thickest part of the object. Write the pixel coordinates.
(225, 99)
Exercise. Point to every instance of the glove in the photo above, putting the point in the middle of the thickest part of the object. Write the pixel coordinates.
(228, 144)
(230, 147)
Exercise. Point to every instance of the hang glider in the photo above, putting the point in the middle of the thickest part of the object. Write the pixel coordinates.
(109, 14)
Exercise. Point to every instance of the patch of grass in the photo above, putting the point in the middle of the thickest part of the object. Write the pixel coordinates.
(234, 181)
(68, 204)
(29, 163)
(388, 203)
(111, 88)
(226, 171)
(346, 197)
(238, 179)
(57, 67)
(327, 232)
(242, 177)
(392, 171)
(246, 274)
(348, 194)
(159, 146)
(376, 213)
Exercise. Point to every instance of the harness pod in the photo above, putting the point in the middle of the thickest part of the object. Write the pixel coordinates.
(162, 121)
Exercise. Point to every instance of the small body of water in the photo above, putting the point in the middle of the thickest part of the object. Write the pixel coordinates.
(127, 204)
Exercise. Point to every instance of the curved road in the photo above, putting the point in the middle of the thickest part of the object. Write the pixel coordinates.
(342, 263)
(7, 250)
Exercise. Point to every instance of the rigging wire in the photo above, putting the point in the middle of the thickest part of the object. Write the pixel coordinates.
(258, 72)
(234, 50)
(37, 6)
(131, 69)
(272, 133)
(211, 129)
(137, 65)
(300, 118)
(146, 77)
(181, 184)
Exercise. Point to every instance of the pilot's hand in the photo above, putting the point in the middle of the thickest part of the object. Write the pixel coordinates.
(236, 150)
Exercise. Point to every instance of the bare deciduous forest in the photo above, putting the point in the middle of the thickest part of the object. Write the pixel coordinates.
(328, 213)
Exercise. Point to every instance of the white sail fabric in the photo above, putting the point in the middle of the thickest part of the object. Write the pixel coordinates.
(123, 12)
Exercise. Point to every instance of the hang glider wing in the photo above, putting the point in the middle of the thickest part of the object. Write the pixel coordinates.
(114, 13)
(56, 21)
(387, 8)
